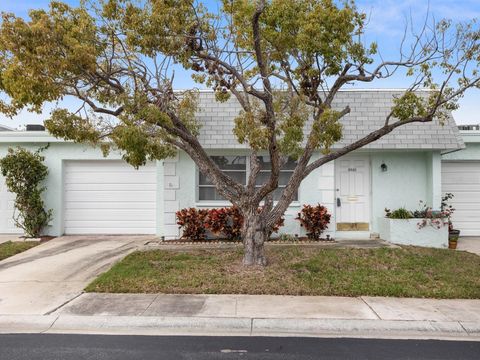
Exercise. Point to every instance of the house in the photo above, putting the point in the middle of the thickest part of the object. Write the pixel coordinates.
(5, 128)
(90, 194)
(461, 177)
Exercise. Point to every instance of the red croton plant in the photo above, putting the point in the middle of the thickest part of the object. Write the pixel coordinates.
(314, 219)
(223, 222)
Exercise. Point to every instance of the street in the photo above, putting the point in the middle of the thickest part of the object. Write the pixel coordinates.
(86, 347)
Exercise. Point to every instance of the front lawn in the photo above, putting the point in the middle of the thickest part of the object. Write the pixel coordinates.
(403, 272)
(10, 248)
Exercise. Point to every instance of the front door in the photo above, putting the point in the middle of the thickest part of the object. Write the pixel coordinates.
(352, 178)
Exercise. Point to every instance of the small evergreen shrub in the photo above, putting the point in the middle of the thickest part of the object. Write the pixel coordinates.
(400, 213)
(314, 219)
(24, 172)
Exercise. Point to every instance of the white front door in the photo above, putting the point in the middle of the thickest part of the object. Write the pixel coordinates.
(352, 193)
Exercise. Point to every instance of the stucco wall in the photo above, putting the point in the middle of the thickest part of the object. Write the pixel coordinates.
(471, 152)
(411, 177)
(316, 188)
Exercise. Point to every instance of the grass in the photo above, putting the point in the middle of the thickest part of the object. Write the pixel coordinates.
(402, 272)
(10, 248)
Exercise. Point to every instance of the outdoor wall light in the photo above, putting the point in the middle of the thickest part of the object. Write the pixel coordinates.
(384, 167)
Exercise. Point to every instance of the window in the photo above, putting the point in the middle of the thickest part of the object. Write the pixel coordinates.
(233, 166)
(285, 174)
(236, 167)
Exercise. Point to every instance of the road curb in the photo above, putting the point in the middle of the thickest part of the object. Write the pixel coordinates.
(153, 325)
(26, 323)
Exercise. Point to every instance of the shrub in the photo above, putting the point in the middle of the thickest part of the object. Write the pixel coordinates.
(24, 171)
(226, 222)
(193, 223)
(314, 219)
(400, 213)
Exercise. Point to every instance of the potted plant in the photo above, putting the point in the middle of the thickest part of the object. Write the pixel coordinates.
(453, 234)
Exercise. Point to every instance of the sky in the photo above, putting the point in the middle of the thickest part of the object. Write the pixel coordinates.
(387, 19)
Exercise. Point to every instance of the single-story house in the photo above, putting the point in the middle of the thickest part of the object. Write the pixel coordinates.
(90, 194)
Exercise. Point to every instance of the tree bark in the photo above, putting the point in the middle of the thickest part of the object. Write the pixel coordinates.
(254, 234)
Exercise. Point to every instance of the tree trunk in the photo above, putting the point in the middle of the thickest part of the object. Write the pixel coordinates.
(254, 234)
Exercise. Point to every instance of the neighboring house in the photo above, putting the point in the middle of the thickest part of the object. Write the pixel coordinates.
(93, 195)
(461, 177)
(5, 128)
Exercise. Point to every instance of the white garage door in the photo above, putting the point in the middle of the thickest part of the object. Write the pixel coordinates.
(7, 225)
(462, 179)
(109, 197)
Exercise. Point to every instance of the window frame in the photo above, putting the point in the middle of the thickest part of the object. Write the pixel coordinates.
(295, 202)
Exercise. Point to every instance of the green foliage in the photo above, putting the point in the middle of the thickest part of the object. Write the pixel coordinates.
(24, 173)
(409, 105)
(63, 124)
(250, 127)
(37, 55)
(400, 213)
(327, 130)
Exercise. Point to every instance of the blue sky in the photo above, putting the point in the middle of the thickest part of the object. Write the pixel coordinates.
(387, 20)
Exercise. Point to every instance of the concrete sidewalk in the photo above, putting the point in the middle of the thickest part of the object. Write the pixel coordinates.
(150, 314)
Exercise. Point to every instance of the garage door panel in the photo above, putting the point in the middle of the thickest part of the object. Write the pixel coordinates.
(110, 214)
(463, 197)
(466, 188)
(461, 213)
(95, 205)
(135, 177)
(109, 197)
(103, 228)
(462, 179)
(111, 187)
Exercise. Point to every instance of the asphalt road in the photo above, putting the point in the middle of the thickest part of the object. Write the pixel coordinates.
(101, 347)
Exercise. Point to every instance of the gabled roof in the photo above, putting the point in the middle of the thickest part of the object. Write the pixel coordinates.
(368, 111)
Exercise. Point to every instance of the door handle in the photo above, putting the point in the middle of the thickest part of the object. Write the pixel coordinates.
(339, 202)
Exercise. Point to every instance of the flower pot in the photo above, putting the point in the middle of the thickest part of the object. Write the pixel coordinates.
(453, 238)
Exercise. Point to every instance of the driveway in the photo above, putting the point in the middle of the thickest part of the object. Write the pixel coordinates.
(45, 277)
(470, 244)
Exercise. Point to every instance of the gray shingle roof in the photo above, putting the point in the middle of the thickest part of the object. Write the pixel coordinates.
(368, 111)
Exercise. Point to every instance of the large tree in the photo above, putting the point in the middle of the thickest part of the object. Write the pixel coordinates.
(283, 61)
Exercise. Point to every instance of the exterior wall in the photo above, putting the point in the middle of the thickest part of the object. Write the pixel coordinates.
(471, 152)
(318, 187)
(411, 177)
